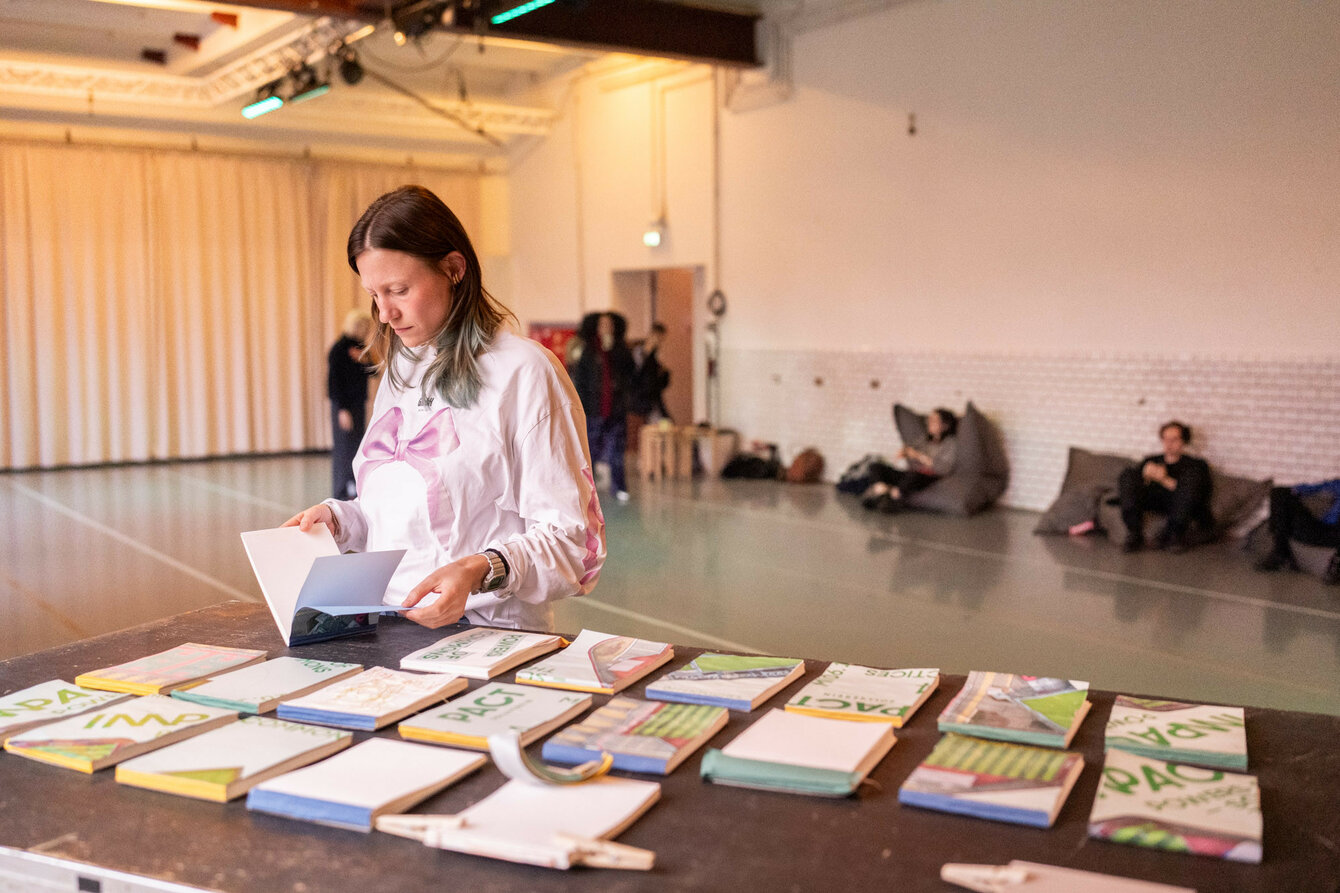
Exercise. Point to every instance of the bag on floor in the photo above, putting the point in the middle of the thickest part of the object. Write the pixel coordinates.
(857, 479)
(806, 468)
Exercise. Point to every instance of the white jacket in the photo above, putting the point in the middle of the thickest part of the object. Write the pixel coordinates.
(512, 473)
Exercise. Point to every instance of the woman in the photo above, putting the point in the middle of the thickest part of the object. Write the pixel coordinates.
(476, 461)
(927, 462)
(347, 387)
(603, 373)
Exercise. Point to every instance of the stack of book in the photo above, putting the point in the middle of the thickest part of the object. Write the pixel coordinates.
(733, 681)
(372, 699)
(598, 662)
(641, 736)
(868, 694)
(1178, 732)
(47, 702)
(260, 688)
(160, 673)
(480, 653)
(1025, 709)
(496, 709)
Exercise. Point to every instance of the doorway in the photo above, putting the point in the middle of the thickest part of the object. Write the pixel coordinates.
(664, 296)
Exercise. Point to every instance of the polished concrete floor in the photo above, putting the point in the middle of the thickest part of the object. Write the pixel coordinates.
(747, 565)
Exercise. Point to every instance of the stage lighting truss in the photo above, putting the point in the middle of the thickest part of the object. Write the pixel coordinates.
(301, 84)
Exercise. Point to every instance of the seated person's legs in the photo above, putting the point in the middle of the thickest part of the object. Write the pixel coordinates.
(1131, 491)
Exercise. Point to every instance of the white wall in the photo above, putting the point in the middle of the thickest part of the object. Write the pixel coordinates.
(1148, 181)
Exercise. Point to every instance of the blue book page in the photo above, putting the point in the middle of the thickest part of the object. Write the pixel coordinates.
(349, 584)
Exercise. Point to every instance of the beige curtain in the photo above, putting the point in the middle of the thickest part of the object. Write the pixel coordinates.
(171, 304)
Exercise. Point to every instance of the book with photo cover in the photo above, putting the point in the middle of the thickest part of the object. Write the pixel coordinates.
(597, 662)
(1027, 709)
(642, 736)
(735, 681)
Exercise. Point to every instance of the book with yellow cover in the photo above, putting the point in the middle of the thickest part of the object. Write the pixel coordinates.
(496, 709)
(598, 662)
(227, 762)
(159, 673)
(867, 694)
(107, 736)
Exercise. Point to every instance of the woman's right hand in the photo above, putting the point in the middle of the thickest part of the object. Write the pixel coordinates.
(317, 514)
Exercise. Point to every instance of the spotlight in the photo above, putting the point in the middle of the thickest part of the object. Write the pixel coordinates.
(518, 10)
(415, 19)
(267, 100)
(655, 234)
(307, 84)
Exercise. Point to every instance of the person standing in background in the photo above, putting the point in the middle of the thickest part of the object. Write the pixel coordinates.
(603, 374)
(347, 386)
(650, 378)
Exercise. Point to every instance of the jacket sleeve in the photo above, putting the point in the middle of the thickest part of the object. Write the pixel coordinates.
(562, 549)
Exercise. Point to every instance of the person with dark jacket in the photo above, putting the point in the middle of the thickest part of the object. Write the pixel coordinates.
(1292, 519)
(650, 378)
(603, 374)
(347, 386)
(1170, 483)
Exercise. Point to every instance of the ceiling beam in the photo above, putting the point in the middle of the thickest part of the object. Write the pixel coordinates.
(643, 27)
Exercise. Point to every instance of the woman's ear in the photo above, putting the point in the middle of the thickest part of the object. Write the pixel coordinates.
(453, 266)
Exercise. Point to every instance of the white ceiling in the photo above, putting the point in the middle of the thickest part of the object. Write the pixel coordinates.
(76, 65)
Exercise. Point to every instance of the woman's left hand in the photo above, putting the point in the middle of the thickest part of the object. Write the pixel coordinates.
(453, 582)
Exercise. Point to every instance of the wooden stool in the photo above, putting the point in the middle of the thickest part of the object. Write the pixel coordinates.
(653, 444)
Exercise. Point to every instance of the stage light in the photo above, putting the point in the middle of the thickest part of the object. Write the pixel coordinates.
(267, 100)
(307, 84)
(517, 11)
(351, 70)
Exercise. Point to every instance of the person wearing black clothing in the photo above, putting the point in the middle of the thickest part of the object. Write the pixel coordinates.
(650, 378)
(347, 386)
(1292, 518)
(603, 375)
(1170, 483)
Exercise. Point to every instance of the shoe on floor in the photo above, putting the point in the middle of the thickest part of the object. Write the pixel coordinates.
(622, 496)
(1274, 561)
(1331, 575)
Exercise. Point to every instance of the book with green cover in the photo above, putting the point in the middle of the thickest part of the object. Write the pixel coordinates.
(480, 653)
(1177, 807)
(260, 688)
(1007, 707)
(867, 694)
(107, 736)
(734, 681)
(227, 762)
(177, 667)
(1182, 733)
(799, 754)
(598, 662)
(993, 780)
(642, 736)
(47, 702)
(469, 720)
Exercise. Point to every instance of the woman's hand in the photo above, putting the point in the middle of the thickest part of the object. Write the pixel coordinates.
(317, 514)
(453, 583)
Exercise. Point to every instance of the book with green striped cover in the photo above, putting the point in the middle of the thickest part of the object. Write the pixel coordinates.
(642, 736)
(993, 780)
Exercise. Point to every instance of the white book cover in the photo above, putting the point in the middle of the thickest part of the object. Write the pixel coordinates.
(525, 823)
(226, 762)
(351, 788)
(735, 681)
(469, 720)
(848, 691)
(49, 701)
(1177, 807)
(372, 699)
(812, 742)
(480, 653)
(1173, 730)
(116, 732)
(313, 591)
(260, 687)
(598, 662)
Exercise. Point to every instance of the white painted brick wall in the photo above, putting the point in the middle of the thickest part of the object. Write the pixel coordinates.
(1252, 417)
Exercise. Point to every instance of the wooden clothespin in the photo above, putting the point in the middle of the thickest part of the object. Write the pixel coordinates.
(983, 878)
(423, 828)
(605, 853)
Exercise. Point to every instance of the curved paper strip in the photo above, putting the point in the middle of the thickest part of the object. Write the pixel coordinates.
(512, 761)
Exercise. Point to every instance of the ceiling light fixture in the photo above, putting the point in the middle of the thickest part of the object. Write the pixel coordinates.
(518, 11)
(655, 233)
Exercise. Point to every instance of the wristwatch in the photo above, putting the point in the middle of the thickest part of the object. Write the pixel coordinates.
(496, 578)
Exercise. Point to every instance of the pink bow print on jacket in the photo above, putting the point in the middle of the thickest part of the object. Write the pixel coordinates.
(434, 440)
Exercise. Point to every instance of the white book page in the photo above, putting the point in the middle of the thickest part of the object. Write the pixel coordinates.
(272, 679)
(48, 701)
(252, 744)
(282, 558)
(521, 813)
(811, 741)
(375, 772)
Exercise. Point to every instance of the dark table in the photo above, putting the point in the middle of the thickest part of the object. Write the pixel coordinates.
(706, 837)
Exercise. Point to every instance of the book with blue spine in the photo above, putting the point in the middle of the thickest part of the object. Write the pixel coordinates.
(995, 780)
(374, 698)
(642, 736)
(734, 681)
(352, 788)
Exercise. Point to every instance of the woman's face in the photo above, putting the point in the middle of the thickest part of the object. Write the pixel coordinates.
(935, 425)
(412, 296)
